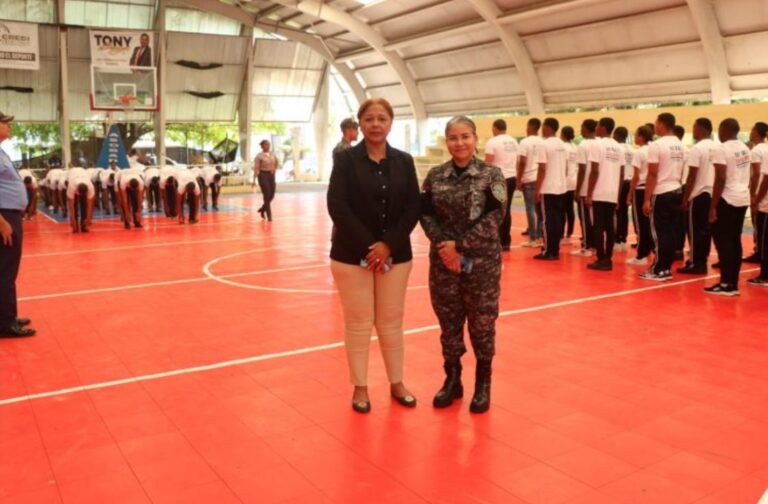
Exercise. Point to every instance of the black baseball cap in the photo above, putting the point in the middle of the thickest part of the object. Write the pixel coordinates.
(5, 118)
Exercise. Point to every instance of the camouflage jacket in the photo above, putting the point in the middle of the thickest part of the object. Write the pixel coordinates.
(466, 208)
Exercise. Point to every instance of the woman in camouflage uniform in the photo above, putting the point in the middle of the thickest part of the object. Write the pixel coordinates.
(463, 205)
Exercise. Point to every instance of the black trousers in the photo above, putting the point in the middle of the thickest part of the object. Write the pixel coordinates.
(585, 220)
(268, 186)
(699, 229)
(10, 258)
(81, 209)
(112, 196)
(761, 220)
(153, 190)
(97, 194)
(645, 243)
(682, 229)
(569, 216)
(604, 227)
(665, 222)
(726, 232)
(552, 213)
(170, 196)
(134, 204)
(505, 230)
(214, 187)
(189, 199)
(622, 213)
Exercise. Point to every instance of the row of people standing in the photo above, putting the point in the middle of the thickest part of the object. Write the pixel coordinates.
(375, 202)
(606, 176)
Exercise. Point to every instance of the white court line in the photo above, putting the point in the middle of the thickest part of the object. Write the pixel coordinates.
(329, 346)
(152, 245)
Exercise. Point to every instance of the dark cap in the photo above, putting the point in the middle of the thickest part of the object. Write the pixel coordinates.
(348, 123)
(5, 118)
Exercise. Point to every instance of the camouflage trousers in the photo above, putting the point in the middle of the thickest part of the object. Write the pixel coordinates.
(473, 297)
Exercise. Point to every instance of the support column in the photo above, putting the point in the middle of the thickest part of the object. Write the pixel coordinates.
(245, 108)
(296, 152)
(66, 141)
(422, 135)
(320, 118)
(161, 82)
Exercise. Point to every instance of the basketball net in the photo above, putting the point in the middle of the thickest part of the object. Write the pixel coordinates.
(127, 104)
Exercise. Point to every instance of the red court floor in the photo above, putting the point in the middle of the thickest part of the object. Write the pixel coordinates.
(202, 364)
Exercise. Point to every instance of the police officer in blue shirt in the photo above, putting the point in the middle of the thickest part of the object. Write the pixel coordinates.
(13, 201)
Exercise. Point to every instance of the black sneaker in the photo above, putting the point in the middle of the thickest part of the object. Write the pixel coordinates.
(690, 269)
(546, 257)
(663, 276)
(722, 290)
(758, 281)
(753, 259)
(606, 265)
(716, 265)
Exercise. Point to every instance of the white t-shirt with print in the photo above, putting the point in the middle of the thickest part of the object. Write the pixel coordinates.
(583, 159)
(668, 152)
(640, 161)
(737, 159)
(552, 153)
(699, 158)
(528, 150)
(504, 150)
(609, 156)
(572, 168)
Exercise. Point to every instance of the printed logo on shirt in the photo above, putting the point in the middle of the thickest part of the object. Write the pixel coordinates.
(676, 153)
(612, 154)
(743, 159)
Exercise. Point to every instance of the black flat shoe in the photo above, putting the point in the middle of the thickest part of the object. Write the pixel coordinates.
(16, 331)
(362, 406)
(407, 400)
(21, 322)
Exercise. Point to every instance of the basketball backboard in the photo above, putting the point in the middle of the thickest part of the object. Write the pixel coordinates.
(123, 88)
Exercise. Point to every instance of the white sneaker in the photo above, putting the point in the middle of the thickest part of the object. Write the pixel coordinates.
(588, 253)
(529, 244)
(565, 241)
(620, 247)
(539, 243)
(638, 262)
(577, 252)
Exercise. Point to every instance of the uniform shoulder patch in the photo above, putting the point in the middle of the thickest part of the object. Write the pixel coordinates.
(499, 191)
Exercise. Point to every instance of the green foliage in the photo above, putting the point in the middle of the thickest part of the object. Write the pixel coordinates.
(34, 137)
(201, 135)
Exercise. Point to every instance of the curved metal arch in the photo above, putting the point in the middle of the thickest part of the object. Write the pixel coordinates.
(517, 50)
(377, 41)
(313, 43)
(705, 19)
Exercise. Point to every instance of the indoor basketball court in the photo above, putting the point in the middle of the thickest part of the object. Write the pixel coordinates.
(205, 364)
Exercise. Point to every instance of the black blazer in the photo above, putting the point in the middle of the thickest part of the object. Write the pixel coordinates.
(360, 217)
(146, 57)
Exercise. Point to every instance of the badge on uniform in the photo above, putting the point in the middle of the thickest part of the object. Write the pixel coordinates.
(499, 192)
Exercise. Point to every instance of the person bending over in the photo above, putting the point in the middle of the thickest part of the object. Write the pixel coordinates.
(212, 182)
(30, 184)
(80, 195)
(131, 187)
(187, 192)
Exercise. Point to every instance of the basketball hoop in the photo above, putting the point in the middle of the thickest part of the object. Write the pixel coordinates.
(127, 102)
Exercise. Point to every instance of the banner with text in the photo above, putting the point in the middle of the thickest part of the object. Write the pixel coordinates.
(122, 48)
(19, 46)
(113, 150)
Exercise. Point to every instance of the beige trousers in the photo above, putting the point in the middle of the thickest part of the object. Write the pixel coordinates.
(372, 299)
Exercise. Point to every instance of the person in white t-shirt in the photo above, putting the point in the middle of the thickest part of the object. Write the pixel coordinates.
(168, 190)
(571, 175)
(663, 196)
(212, 183)
(130, 185)
(551, 186)
(56, 180)
(606, 158)
(93, 174)
(152, 189)
(760, 211)
(643, 137)
(80, 196)
(621, 134)
(187, 191)
(682, 227)
(526, 182)
(759, 150)
(30, 184)
(588, 128)
(697, 196)
(730, 200)
(501, 151)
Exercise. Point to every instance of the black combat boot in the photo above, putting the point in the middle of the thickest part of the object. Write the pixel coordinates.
(452, 387)
(481, 401)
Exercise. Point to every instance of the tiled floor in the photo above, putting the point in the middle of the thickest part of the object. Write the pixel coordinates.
(606, 389)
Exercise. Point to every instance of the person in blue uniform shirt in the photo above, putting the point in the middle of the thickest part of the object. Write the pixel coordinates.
(13, 202)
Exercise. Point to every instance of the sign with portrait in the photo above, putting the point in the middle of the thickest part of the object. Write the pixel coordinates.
(122, 48)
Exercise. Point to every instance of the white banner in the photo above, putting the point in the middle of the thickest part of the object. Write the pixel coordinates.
(122, 48)
(19, 46)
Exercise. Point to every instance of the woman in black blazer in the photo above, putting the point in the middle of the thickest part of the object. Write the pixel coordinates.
(373, 200)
